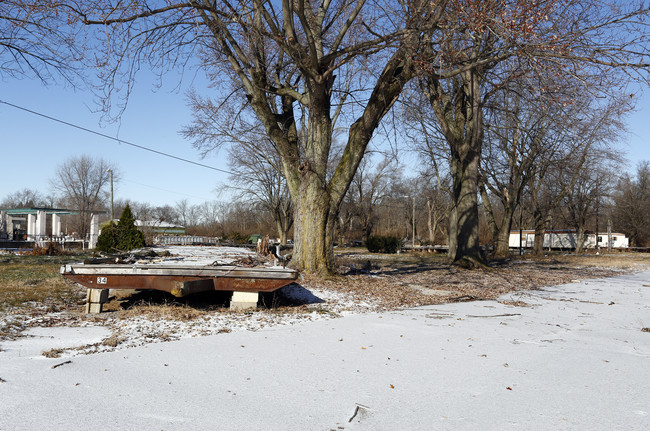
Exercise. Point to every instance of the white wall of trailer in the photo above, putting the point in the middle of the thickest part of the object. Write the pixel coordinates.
(567, 240)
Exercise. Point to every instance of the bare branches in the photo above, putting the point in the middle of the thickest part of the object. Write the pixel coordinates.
(34, 42)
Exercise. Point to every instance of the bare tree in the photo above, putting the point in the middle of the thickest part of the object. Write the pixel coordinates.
(187, 214)
(631, 210)
(438, 204)
(526, 128)
(24, 198)
(165, 213)
(83, 183)
(583, 202)
(369, 188)
(599, 43)
(292, 64)
(211, 216)
(259, 178)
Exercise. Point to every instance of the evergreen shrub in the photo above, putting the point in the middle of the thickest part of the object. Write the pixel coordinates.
(383, 244)
(122, 237)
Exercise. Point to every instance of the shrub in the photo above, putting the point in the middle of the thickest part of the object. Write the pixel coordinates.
(106, 241)
(124, 236)
(383, 244)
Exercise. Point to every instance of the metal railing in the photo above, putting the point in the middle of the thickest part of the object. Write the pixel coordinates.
(186, 240)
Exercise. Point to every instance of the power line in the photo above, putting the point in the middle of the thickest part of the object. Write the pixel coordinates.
(117, 139)
(163, 190)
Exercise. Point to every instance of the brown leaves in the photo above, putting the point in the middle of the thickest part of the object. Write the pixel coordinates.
(412, 280)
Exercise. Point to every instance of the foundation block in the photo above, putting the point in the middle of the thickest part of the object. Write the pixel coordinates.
(244, 300)
(94, 300)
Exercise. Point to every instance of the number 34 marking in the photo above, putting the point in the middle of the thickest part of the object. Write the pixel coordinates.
(102, 280)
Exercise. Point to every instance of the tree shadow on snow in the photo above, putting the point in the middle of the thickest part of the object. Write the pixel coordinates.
(291, 295)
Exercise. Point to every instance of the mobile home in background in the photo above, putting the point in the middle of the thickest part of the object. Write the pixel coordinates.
(568, 240)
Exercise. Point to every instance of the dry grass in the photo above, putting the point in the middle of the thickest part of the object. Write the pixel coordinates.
(164, 310)
(53, 353)
(113, 341)
(408, 280)
(614, 260)
(29, 280)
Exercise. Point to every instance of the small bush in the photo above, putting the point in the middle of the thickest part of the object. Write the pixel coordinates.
(383, 244)
(124, 236)
(106, 241)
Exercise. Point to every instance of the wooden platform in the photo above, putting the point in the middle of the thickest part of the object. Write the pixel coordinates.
(179, 280)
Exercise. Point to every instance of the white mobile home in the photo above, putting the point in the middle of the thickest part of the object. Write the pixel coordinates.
(567, 240)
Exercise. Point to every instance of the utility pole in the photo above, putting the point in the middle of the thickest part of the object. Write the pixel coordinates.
(550, 236)
(597, 208)
(110, 171)
(521, 231)
(413, 243)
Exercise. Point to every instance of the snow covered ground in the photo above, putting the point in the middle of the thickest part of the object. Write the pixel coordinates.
(199, 255)
(576, 358)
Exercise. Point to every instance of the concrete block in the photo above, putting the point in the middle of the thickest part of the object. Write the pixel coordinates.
(244, 300)
(93, 308)
(94, 300)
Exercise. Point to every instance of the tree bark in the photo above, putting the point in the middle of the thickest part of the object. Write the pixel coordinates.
(502, 242)
(459, 112)
(541, 221)
(313, 247)
(580, 239)
(500, 231)
(464, 171)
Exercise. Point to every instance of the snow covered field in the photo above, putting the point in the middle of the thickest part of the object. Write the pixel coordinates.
(577, 358)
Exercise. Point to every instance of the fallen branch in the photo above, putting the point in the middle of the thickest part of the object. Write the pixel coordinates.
(356, 410)
(496, 315)
(62, 363)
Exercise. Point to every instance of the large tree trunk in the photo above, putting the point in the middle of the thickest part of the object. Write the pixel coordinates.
(502, 241)
(464, 226)
(313, 206)
(312, 227)
(541, 220)
(458, 109)
(580, 238)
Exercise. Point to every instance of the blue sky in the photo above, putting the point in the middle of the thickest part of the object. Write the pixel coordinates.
(32, 146)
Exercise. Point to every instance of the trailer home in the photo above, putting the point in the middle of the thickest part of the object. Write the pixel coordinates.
(567, 240)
